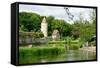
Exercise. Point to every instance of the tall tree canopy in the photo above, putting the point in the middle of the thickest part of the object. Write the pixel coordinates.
(29, 21)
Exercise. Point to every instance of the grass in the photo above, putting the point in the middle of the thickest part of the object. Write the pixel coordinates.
(40, 51)
(53, 48)
(72, 44)
(36, 53)
(56, 42)
(74, 47)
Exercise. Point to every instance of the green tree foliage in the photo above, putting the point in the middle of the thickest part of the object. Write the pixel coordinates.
(85, 30)
(93, 16)
(50, 20)
(29, 21)
(63, 27)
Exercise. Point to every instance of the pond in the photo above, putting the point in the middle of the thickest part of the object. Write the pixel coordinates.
(70, 55)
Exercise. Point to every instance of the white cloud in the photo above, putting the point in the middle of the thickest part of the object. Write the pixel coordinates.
(57, 12)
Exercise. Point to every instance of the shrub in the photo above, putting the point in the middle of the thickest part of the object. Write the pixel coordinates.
(24, 35)
(74, 42)
(57, 42)
(39, 35)
(75, 47)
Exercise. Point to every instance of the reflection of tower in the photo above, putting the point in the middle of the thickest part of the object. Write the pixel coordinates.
(44, 27)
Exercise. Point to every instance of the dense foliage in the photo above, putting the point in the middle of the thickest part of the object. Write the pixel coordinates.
(25, 35)
(83, 29)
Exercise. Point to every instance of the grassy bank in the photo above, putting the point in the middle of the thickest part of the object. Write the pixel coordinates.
(52, 49)
(27, 54)
(40, 51)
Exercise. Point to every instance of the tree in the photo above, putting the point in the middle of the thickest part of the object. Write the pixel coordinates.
(63, 27)
(29, 21)
(49, 20)
(93, 16)
(84, 30)
(75, 31)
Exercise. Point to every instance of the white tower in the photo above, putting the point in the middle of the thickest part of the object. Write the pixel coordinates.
(44, 27)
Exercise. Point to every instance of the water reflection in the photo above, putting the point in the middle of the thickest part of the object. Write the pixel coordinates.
(70, 55)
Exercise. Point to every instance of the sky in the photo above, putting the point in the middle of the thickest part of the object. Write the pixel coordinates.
(57, 12)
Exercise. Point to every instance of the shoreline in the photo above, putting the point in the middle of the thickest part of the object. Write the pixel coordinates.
(90, 49)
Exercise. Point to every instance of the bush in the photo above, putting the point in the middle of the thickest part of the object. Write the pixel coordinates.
(39, 35)
(24, 35)
(57, 42)
(74, 42)
(74, 47)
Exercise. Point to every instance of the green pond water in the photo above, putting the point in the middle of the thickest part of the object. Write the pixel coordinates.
(70, 55)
